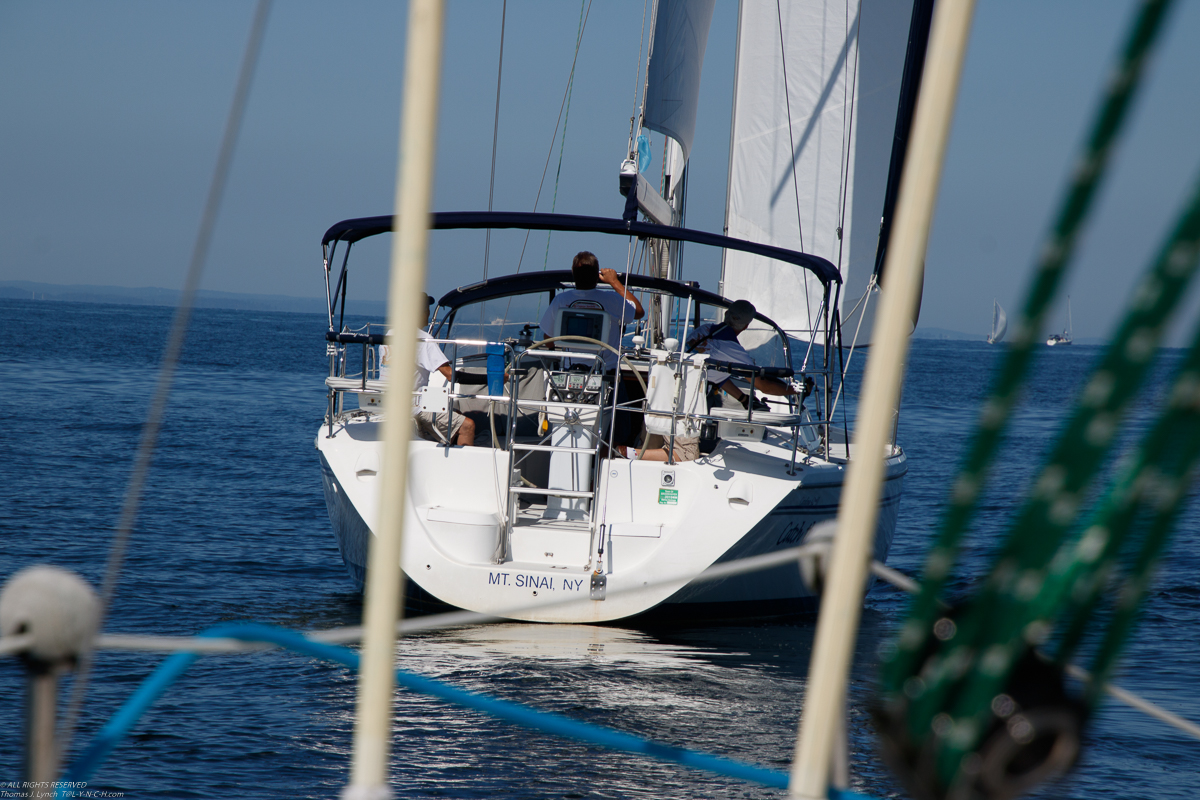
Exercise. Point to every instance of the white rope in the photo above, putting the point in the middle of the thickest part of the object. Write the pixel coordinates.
(15, 644)
(1145, 706)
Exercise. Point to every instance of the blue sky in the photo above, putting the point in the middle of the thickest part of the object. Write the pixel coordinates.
(113, 114)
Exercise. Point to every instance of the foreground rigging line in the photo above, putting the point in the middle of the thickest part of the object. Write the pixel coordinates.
(858, 510)
(455, 619)
(15, 644)
(383, 595)
(179, 325)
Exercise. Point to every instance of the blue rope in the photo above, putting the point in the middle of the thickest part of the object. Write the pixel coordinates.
(548, 722)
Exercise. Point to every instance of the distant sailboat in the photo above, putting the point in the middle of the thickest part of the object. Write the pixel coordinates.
(1065, 337)
(999, 324)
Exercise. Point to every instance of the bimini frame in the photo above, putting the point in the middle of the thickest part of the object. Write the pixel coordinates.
(354, 230)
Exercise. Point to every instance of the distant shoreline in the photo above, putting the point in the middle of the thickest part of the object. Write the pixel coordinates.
(152, 296)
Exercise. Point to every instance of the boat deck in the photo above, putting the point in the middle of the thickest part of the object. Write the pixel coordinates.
(531, 517)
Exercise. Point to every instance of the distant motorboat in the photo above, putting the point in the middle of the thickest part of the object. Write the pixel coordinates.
(1065, 336)
(999, 324)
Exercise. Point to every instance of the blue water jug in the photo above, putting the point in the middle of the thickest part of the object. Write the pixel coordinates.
(495, 369)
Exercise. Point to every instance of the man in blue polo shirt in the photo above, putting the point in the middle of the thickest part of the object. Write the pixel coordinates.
(720, 341)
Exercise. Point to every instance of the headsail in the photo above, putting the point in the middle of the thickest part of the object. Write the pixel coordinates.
(809, 165)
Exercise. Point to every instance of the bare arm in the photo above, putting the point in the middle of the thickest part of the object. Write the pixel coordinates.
(773, 387)
(764, 385)
(610, 277)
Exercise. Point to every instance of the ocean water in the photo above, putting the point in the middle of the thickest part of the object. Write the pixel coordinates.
(233, 527)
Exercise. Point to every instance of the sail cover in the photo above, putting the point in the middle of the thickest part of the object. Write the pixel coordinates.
(809, 164)
(673, 77)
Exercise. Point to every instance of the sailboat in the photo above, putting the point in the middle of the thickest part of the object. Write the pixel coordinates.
(546, 522)
(999, 324)
(1065, 336)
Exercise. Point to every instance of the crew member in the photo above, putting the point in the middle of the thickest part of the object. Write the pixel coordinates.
(435, 427)
(720, 341)
(621, 306)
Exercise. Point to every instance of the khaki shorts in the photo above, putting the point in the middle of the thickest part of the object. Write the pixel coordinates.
(434, 426)
(686, 449)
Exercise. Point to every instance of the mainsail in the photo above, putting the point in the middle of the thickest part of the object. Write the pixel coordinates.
(999, 324)
(673, 75)
(809, 163)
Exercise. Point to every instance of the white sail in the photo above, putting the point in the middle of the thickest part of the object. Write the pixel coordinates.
(999, 324)
(673, 76)
(843, 61)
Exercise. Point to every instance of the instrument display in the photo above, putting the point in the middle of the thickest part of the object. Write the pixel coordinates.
(576, 383)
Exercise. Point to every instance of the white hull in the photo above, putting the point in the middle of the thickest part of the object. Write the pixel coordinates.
(659, 531)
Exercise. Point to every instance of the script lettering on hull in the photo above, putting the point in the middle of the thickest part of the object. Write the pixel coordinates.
(793, 533)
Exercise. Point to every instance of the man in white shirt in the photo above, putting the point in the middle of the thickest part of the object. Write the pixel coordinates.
(435, 427)
(621, 305)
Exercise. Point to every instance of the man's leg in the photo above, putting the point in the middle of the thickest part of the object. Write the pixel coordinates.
(466, 433)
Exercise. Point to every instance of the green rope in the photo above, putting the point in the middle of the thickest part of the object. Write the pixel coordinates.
(999, 625)
(900, 663)
(566, 117)
(1150, 490)
(943, 678)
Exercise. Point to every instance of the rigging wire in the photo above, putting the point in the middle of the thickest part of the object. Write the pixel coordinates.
(550, 152)
(637, 78)
(166, 375)
(863, 301)
(566, 118)
(791, 140)
(845, 187)
(649, 51)
(487, 242)
(849, 96)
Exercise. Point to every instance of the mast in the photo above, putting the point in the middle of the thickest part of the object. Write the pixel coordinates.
(910, 89)
(737, 59)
